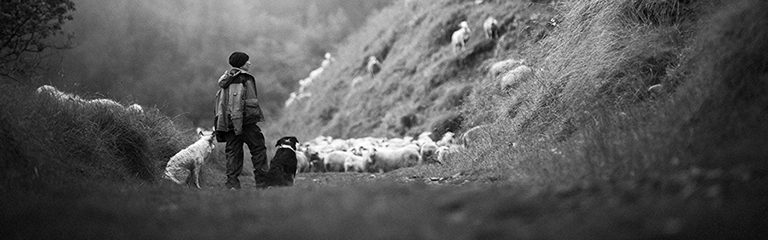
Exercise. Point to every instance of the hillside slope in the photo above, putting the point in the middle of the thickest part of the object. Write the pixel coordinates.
(422, 83)
(586, 112)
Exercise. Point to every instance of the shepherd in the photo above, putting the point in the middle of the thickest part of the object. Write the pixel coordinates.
(237, 115)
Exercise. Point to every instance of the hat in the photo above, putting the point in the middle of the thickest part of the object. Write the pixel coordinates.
(238, 59)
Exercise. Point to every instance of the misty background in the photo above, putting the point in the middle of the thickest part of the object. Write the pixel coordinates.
(169, 53)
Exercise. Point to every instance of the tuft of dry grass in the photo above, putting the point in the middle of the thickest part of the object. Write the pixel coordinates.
(55, 142)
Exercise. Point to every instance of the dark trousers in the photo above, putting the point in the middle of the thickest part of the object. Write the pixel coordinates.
(253, 137)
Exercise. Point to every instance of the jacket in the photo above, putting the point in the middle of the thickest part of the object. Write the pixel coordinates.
(236, 102)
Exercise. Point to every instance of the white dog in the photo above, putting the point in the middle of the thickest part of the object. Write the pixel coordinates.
(190, 159)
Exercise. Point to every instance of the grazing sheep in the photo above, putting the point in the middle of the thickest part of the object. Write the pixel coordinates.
(103, 102)
(302, 162)
(334, 161)
(460, 37)
(518, 75)
(327, 61)
(315, 162)
(374, 66)
(447, 139)
(427, 152)
(190, 159)
(501, 67)
(388, 159)
(59, 95)
(291, 99)
(491, 27)
(358, 163)
(425, 136)
(315, 73)
(444, 151)
(136, 108)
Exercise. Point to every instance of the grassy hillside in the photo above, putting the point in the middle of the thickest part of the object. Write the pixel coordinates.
(586, 112)
(422, 83)
(580, 151)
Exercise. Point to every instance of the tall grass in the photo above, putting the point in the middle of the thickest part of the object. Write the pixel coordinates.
(49, 142)
(587, 114)
(422, 79)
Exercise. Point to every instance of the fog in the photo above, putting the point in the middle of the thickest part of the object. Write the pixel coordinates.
(169, 53)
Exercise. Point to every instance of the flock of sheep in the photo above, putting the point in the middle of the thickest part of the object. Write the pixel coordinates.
(303, 83)
(326, 154)
(70, 98)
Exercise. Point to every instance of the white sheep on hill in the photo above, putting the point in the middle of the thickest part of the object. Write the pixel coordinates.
(374, 66)
(501, 67)
(354, 163)
(446, 140)
(327, 60)
(460, 37)
(491, 27)
(388, 159)
(518, 75)
(190, 159)
(136, 108)
(59, 95)
(104, 102)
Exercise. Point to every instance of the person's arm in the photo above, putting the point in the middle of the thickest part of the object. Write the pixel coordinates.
(251, 99)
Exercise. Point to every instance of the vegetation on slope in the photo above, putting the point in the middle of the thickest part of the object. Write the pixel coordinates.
(51, 142)
(586, 113)
(422, 83)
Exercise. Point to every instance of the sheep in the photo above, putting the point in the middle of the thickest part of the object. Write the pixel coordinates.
(518, 75)
(358, 163)
(424, 136)
(396, 142)
(491, 27)
(315, 162)
(290, 99)
(190, 159)
(427, 151)
(460, 37)
(136, 108)
(315, 73)
(447, 139)
(59, 95)
(388, 159)
(334, 161)
(501, 67)
(327, 61)
(444, 151)
(374, 66)
(302, 162)
(105, 103)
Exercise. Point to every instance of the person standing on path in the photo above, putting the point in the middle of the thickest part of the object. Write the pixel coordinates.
(237, 115)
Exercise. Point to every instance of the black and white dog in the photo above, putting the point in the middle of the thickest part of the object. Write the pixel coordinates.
(282, 168)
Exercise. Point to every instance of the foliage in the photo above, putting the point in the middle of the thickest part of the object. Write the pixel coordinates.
(26, 29)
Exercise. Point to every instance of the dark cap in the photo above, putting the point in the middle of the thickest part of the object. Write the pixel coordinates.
(238, 59)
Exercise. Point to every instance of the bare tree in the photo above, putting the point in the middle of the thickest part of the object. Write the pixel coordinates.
(27, 29)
